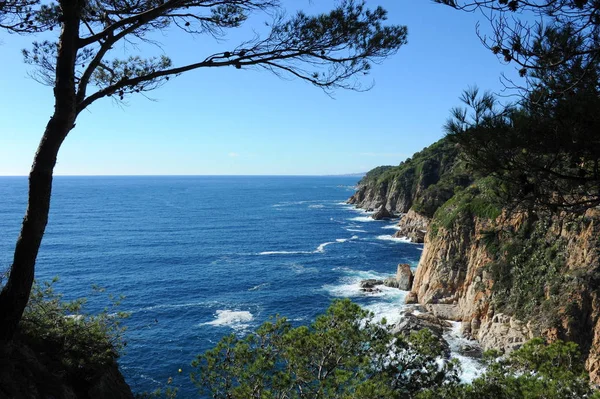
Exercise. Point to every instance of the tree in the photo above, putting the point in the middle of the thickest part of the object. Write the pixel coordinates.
(539, 34)
(546, 155)
(545, 147)
(536, 370)
(330, 51)
(343, 354)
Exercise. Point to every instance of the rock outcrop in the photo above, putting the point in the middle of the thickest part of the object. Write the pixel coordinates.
(457, 278)
(426, 180)
(415, 322)
(25, 373)
(370, 285)
(411, 298)
(391, 282)
(402, 280)
(412, 226)
(507, 278)
(383, 214)
(404, 277)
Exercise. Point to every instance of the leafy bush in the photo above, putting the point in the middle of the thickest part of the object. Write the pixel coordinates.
(536, 370)
(343, 354)
(529, 275)
(478, 200)
(81, 343)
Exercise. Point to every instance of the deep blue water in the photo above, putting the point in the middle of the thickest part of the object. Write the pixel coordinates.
(201, 257)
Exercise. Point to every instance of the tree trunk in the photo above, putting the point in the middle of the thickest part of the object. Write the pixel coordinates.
(15, 294)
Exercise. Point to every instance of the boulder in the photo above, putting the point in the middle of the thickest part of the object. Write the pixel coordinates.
(444, 311)
(370, 283)
(413, 323)
(382, 214)
(405, 277)
(416, 236)
(473, 351)
(411, 298)
(432, 320)
(391, 282)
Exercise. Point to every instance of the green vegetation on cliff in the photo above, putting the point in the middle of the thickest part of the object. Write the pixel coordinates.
(424, 182)
(534, 279)
(476, 201)
(61, 352)
(374, 174)
(346, 354)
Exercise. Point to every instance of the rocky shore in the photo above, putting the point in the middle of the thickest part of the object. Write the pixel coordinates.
(416, 317)
(505, 277)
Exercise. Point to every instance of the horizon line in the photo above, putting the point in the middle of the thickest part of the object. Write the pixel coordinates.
(206, 175)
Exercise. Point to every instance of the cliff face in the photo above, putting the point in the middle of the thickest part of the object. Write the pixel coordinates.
(422, 182)
(507, 278)
(412, 226)
(539, 277)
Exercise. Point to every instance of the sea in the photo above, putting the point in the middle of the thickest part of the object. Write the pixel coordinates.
(200, 257)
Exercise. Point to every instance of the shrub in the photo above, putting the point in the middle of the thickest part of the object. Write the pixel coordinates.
(82, 343)
(343, 354)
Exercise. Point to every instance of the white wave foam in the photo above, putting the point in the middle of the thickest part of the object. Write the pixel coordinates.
(350, 285)
(354, 238)
(362, 219)
(259, 287)
(318, 206)
(391, 310)
(387, 237)
(171, 306)
(321, 248)
(283, 252)
(238, 320)
(392, 227)
(472, 368)
(356, 230)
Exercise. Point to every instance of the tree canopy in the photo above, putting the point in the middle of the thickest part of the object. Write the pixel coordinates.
(75, 55)
(331, 50)
(345, 353)
(539, 34)
(536, 370)
(544, 147)
(545, 155)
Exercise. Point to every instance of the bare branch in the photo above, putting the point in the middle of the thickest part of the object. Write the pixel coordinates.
(330, 51)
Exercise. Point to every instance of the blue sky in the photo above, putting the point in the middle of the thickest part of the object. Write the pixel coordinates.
(227, 121)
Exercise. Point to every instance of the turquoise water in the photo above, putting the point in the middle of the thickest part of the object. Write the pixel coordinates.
(201, 257)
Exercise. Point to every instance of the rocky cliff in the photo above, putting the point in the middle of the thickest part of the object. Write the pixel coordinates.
(413, 226)
(507, 277)
(511, 280)
(423, 182)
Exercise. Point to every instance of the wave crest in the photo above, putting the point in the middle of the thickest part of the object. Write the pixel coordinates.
(238, 320)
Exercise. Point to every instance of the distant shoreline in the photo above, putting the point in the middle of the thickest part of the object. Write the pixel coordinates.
(328, 175)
